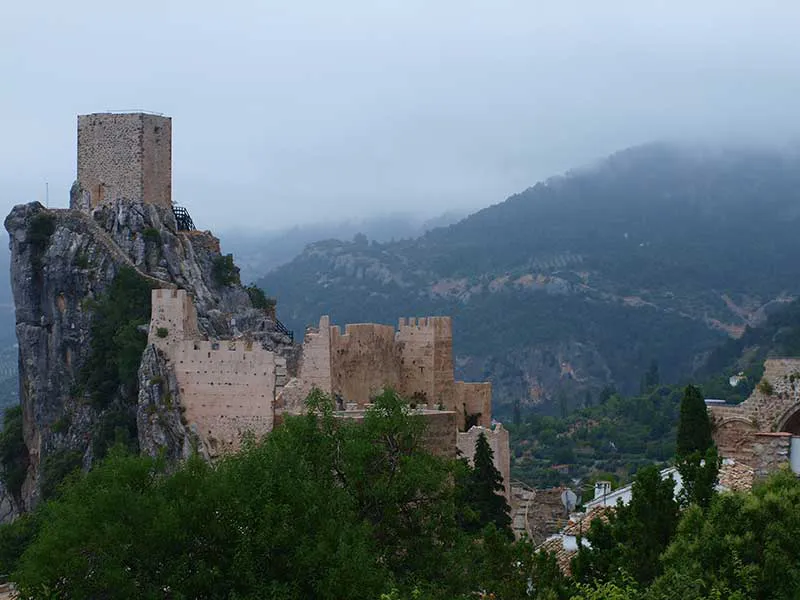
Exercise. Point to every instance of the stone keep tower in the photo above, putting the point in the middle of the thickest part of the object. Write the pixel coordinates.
(124, 156)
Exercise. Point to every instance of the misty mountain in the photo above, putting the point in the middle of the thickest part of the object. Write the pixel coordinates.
(257, 253)
(658, 252)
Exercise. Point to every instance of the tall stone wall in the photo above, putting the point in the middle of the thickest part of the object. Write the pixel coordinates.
(173, 318)
(498, 442)
(473, 399)
(364, 360)
(227, 388)
(125, 156)
(314, 370)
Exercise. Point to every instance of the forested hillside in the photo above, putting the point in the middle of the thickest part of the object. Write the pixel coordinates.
(656, 253)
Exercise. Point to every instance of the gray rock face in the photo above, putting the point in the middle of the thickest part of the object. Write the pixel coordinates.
(60, 261)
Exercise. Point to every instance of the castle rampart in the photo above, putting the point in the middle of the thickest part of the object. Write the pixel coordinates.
(124, 156)
(227, 387)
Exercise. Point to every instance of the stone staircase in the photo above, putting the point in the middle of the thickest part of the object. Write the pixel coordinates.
(522, 496)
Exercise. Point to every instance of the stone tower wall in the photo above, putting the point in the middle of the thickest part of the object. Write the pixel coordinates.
(364, 360)
(173, 311)
(125, 156)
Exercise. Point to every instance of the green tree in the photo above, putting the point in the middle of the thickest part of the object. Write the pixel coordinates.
(745, 545)
(631, 542)
(696, 455)
(485, 489)
(694, 426)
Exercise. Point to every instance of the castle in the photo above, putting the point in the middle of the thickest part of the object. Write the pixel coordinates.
(229, 387)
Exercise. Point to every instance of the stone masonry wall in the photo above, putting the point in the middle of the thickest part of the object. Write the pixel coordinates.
(473, 398)
(314, 370)
(125, 156)
(755, 431)
(364, 360)
(227, 387)
(498, 442)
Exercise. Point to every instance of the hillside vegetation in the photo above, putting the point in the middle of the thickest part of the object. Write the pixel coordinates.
(580, 282)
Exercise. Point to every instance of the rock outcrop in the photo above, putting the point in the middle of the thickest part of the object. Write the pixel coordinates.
(62, 262)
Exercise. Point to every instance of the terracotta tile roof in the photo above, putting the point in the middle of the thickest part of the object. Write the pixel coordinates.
(580, 525)
(555, 545)
(736, 476)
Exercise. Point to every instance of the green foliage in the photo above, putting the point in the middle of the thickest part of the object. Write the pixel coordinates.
(484, 491)
(41, 226)
(117, 426)
(631, 542)
(697, 458)
(162, 332)
(765, 387)
(82, 260)
(224, 271)
(744, 546)
(15, 537)
(152, 235)
(259, 299)
(322, 508)
(13, 451)
(55, 467)
(62, 424)
(117, 339)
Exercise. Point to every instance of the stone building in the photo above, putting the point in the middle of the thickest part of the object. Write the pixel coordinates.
(124, 156)
(764, 430)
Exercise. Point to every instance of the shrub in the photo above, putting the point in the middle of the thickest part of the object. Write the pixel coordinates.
(162, 332)
(117, 342)
(765, 387)
(55, 468)
(259, 299)
(61, 424)
(40, 228)
(224, 271)
(13, 451)
(152, 235)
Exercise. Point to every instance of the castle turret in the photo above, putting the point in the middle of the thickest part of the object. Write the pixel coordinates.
(124, 156)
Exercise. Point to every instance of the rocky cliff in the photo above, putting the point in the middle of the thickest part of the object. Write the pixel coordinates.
(78, 277)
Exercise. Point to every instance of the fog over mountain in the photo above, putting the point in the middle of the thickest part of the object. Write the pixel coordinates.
(293, 113)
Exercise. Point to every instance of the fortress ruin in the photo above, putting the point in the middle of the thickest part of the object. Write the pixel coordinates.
(230, 387)
(764, 430)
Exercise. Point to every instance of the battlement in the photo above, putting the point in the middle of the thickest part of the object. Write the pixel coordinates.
(124, 156)
(439, 326)
(173, 318)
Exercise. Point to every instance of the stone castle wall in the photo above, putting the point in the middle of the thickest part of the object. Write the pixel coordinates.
(125, 156)
(364, 360)
(226, 387)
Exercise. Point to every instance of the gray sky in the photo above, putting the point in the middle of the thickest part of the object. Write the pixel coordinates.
(297, 111)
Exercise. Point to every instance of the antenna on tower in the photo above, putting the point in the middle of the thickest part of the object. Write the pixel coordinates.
(47, 194)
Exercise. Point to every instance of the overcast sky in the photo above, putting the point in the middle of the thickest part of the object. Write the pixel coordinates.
(298, 111)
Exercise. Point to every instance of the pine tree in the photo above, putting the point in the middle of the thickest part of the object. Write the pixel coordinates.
(694, 427)
(486, 489)
(696, 454)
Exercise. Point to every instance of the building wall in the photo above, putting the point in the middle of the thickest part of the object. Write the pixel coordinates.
(364, 360)
(173, 311)
(474, 398)
(157, 160)
(751, 432)
(314, 370)
(125, 156)
(227, 388)
(498, 442)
